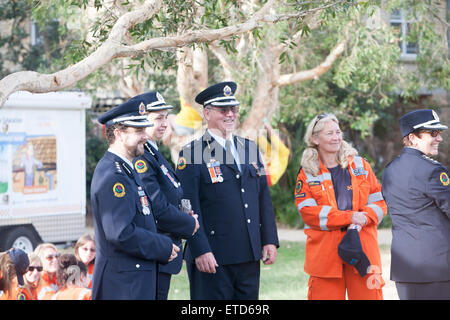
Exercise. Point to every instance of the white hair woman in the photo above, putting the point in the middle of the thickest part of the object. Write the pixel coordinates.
(337, 190)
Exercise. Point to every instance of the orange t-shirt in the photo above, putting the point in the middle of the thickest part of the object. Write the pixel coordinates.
(73, 293)
(47, 287)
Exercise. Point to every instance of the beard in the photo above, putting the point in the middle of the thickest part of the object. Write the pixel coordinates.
(136, 151)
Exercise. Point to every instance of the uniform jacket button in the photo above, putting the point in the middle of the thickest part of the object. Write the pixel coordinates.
(237, 176)
(138, 266)
(212, 232)
(246, 205)
(248, 221)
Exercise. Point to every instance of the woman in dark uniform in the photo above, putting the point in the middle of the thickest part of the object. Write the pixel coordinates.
(417, 192)
(164, 189)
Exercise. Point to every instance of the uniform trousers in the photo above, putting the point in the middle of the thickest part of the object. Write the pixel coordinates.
(368, 287)
(423, 290)
(163, 285)
(230, 282)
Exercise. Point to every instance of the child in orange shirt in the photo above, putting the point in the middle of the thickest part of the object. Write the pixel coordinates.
(73, 280)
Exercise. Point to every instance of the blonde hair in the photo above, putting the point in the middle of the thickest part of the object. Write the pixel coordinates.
(34, 259)
(40, 249)
(310, 158)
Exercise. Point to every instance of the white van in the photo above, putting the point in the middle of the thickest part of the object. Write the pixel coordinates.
(42, 168)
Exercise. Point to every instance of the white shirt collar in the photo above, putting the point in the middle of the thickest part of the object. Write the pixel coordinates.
(221, 140)
(153, 144)
(128, 162)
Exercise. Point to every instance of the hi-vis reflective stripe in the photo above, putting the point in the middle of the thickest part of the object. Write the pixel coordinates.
(323, 214)
(52, 287)
(320, 178)
(374, 197)
(323, 217)
(377, 210)
(83, 293)
(307, 203)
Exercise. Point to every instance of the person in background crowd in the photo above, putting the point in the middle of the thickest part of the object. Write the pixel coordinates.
(85, 252)
(33, 275)
(336, 189)
(224, 178)
(73, 279)
(417, 193)
(164, 188)
(13, 265)
(48, 254)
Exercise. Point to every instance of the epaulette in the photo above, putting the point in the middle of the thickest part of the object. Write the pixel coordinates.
(431, 160)
(122, 168)
(118, 167)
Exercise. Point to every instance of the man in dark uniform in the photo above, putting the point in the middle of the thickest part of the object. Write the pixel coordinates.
(128, 245)
(416, 189)
(164, 189)
(224, 178)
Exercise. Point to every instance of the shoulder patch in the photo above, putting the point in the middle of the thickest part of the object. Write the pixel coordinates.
(298, 186)
(181, 163)
(444, 179)
(21, 296)
(119, 190)
(140, 166)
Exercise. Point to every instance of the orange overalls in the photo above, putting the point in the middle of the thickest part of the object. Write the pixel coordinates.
(315, 200)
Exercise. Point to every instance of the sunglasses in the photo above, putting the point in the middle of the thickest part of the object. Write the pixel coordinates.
(225, 110)
(50, 257)
(319, 117)
(433, 133)
(32, 268)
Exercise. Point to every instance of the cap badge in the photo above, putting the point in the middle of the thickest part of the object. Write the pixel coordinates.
(435, 116)
(159, 97)
(227, 91)
(142, 108)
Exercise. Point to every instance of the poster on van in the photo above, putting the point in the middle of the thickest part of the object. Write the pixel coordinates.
(34, 165)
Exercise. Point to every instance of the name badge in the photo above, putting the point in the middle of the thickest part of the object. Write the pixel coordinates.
(214, 171)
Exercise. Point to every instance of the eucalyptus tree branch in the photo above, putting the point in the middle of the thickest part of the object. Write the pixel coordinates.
(113, 48)
(316, 72)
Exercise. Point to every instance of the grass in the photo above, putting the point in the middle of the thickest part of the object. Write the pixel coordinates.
(284, 280)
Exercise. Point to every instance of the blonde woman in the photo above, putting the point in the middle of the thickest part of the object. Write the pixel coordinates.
(48, 254)
(336, 190)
